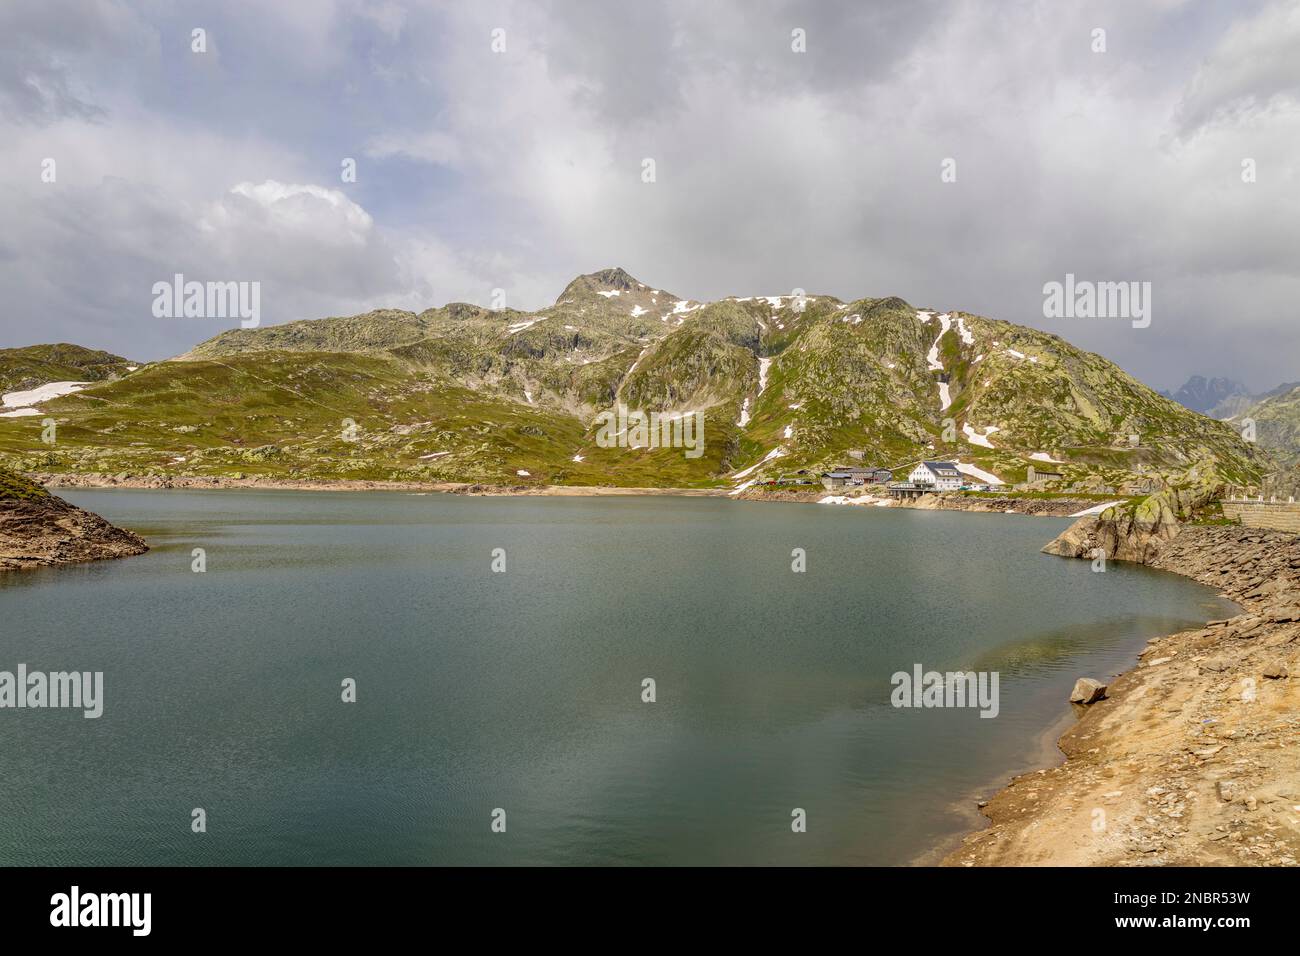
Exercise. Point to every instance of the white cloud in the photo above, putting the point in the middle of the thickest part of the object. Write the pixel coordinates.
(292, 210)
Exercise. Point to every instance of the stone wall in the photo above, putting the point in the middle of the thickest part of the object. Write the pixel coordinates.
(1264, 514)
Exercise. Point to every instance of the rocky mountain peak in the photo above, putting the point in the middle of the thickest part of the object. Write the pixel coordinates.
(605, 281)
(615, 278)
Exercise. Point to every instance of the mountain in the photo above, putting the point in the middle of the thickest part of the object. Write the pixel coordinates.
(1274, 415)
(1277, 422)
(1215, 397)
(1275, 418)
(464, 393)
(27, 368)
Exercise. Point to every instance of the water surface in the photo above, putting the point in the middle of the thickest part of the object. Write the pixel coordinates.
(522, 690)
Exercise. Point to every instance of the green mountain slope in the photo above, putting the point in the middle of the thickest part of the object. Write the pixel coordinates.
(470, 394)
(1277, 424)
(26, 368)
(1275, 419)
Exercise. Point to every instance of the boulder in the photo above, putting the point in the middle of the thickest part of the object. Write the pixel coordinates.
(1276, 669)
(1087, 691)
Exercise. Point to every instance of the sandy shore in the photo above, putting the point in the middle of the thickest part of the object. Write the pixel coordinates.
(1194, 756)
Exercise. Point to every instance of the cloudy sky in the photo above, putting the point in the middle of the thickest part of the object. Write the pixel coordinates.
(774, 169)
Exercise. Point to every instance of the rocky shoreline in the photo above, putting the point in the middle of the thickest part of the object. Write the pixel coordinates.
(1193, 757)
(216, 483)
(38, 529)
(1001, 504)
(189, 482)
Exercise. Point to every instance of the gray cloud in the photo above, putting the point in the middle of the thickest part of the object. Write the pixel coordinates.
(1253, 69)
(35, 88)
(775, 169)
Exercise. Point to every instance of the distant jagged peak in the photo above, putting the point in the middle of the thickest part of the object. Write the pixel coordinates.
(1204, 395)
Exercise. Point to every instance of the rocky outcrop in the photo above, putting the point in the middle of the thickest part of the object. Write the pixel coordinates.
(1120, 533)
(38, 529)
(1136, 531)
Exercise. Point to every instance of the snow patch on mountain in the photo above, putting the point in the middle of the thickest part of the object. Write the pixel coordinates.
(975, 438)
(42, 393)
(744, 414)
(979, 473)
(932, 358)
(966, 335)
(1095, 509)
(772, 455)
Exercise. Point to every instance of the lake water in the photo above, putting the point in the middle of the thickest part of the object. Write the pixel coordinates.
(522, 690)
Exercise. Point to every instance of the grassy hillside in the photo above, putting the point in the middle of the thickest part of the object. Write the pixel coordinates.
(26, 368)
(469, 394)
(17, 488)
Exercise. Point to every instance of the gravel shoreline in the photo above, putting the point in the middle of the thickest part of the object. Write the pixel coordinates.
(1193, 757)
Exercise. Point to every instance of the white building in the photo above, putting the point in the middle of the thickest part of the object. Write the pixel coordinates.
(941, 475)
